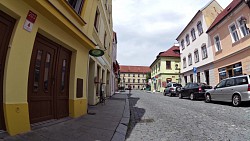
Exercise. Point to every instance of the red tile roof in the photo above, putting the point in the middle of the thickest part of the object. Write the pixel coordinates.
(172, 52)
(233, 5)
(135, 69)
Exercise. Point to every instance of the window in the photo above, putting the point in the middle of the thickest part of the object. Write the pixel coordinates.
(198, 77)
(138, 75)
(234, 33)
(189, 59)
(187, 39)
(128, 80)
(169, 80)
(193, 34)
(133, 80)
(237, 69)
(128, 75)
(243, 27)
(217, 43)
(159, 66)
(241, 80)
(221, 84)
(76, 5)
(184, 63)
(97, 18)
(222, 73)
(168, 64)
(196, 56)
(230, 82)
(138, 80)
(199, 27)
(182, 44)
(104, 41)
(191, 78)
(133, 75)
(204, 51)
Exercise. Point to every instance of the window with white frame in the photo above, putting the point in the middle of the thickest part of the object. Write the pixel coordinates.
(234, 33)
(193, 34)
(190, 59)
(187, 39)
(243, 27)
(217, 43)
(199, 28)
(204, 51)
(182, 44)
(184, 62)
(196, 56)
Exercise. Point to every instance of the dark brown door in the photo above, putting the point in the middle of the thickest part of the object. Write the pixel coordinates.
(6, 26)
(62, 84)
(44, 79)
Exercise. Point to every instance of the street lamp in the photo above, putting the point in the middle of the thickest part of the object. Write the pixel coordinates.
(176, 68)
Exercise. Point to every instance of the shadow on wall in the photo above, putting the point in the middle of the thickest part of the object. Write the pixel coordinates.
(136, 114)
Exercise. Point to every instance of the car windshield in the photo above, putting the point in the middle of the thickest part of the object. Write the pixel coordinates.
(177, 85)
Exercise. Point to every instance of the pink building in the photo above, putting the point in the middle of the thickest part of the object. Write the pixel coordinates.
(230, 40)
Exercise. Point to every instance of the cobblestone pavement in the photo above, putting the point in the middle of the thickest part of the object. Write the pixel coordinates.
(162, 118)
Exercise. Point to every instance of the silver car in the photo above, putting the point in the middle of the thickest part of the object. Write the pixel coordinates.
(172, 89)
(234, 89)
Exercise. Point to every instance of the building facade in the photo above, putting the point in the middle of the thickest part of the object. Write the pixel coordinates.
(115, 66)
(165, 69)
(100, 68)
(196, 52)
(135, 76)
(44, 57)
(230, 40)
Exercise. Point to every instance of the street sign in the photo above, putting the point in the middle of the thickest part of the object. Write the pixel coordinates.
(194, 70)
(30, 20)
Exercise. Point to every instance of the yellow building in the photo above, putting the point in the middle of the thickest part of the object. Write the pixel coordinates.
(44, 59)
(165, 69)
(100, 67)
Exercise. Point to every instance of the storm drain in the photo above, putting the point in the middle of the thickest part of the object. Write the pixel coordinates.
(149, 120)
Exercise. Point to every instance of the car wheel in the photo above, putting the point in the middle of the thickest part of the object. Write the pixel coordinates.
(208, 98)
(180, 96)
(192, 96)
(236, 100)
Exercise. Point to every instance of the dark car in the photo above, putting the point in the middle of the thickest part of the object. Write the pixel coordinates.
(194, 90)
(172, 89)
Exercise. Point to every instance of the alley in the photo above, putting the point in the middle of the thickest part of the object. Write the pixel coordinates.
(159, 118)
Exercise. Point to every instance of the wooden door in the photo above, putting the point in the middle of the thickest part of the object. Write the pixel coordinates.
(41, 80)
(62, 84)
(6, 27)
(48, 93)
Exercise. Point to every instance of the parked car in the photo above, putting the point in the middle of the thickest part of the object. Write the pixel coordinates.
(194, 90)
(172, 89)
(234, 89)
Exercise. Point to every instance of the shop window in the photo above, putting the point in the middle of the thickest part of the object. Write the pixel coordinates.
(222, 73)
(198, 77)
(191, 78)
(237, 69)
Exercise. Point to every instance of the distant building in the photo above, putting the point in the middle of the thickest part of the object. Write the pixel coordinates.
(165, 68)
(196, 51)
(134, 76)
(230, 40)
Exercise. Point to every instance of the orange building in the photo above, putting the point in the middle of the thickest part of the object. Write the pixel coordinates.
(230, 40)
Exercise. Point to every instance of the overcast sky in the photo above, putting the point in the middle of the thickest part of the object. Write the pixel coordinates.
(145, 27)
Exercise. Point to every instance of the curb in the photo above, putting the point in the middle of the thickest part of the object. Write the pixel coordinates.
(121, 130)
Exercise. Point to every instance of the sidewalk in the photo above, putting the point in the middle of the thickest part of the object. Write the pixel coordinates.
(105, 122)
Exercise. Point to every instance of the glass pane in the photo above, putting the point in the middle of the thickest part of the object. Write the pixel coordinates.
(37, 70)
(46, 72)
(63, 75)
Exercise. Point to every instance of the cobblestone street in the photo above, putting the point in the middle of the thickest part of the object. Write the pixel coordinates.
(162, 118)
